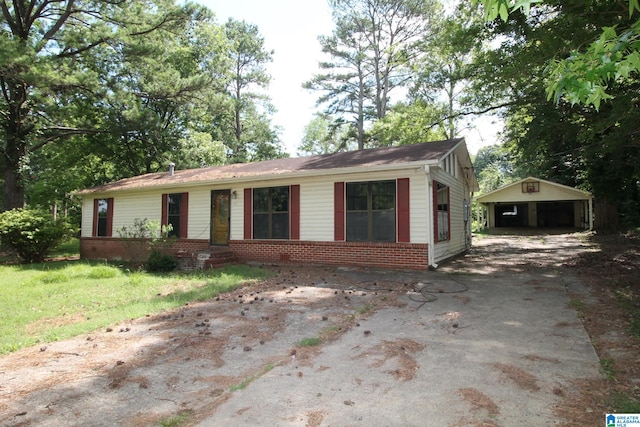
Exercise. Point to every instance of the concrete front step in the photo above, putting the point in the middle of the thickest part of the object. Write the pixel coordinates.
(212, 258)
(220, 258)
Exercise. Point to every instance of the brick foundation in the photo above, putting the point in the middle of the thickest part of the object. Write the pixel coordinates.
(136, 250)
(362, 254)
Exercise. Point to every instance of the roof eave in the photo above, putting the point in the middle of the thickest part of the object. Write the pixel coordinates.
(264, 177)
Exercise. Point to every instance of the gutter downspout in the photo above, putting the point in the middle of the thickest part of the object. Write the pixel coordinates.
(431, 236)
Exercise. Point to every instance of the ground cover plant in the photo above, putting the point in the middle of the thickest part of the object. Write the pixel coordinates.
(51, 301)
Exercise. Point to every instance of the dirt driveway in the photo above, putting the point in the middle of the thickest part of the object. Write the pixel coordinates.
(490, 339)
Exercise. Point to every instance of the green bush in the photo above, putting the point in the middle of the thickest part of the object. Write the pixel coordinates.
(160, 261)
(32, 233)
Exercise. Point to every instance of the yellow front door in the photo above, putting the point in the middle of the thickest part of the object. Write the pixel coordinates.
(220, 216)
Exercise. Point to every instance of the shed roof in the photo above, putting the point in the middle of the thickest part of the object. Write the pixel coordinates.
(430, 152)
(549, 191)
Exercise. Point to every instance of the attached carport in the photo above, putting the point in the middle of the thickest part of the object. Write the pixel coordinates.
(534, 202)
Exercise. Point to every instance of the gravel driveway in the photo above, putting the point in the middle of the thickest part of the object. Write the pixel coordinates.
(490, 339)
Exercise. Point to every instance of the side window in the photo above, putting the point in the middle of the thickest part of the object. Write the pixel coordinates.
(371, 211)
(175, 208)
(102, 217)
(271, 213)
(441, 214)
(174, 202)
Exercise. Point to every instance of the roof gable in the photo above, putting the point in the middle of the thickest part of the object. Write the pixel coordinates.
(425, 153)
(545, 191)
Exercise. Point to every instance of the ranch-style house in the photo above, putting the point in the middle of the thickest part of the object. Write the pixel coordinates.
(393, 207)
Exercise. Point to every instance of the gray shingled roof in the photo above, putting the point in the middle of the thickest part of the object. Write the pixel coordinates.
(430, 151)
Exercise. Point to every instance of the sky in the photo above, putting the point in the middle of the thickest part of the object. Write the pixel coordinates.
(291, 28)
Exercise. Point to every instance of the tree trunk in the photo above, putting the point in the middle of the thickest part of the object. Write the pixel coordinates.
(15, 153)
(360, 119)
(16, 127)
(13, 191)
(605, 215)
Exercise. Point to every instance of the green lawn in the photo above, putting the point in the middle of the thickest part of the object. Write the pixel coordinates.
(56, 300)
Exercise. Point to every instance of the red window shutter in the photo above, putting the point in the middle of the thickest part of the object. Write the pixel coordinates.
(165, 210)
(184, 214)
(109, 217)
(95, 218)
(247, 214)
(403, 210)
(295, 212)
(338, 211)
(434, 188)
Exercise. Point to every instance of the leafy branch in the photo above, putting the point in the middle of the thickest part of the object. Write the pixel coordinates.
(585, 77)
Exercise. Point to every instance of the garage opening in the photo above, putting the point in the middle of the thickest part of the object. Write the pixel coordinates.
(512, 215)
(555, 214)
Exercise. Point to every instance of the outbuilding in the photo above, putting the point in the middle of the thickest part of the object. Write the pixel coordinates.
(396, 207)
(535, 202)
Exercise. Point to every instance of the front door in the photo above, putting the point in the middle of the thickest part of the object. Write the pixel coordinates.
(220, 208)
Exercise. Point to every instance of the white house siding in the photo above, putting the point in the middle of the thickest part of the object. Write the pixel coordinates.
(198, 223)
(86, 222)
(236, 214)
(419, 206)
(459, 231)
(126, 208)
(317, 204)
(316, 209)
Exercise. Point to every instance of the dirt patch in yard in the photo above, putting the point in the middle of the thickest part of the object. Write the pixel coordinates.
(520, 377)
(479, 401)
(402, 350)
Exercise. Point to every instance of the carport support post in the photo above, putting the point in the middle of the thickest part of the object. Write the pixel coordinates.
(590, 213)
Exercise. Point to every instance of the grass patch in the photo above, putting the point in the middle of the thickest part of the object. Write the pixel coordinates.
(176, 420)
(480, 231)
(252, 378)
(67, 248)
(367, 308)
(330, 329)
(578, 305)
(362, 310)
(309, 342)
(608, 368)
(623, 403)
(58, 300)
(629, 302)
